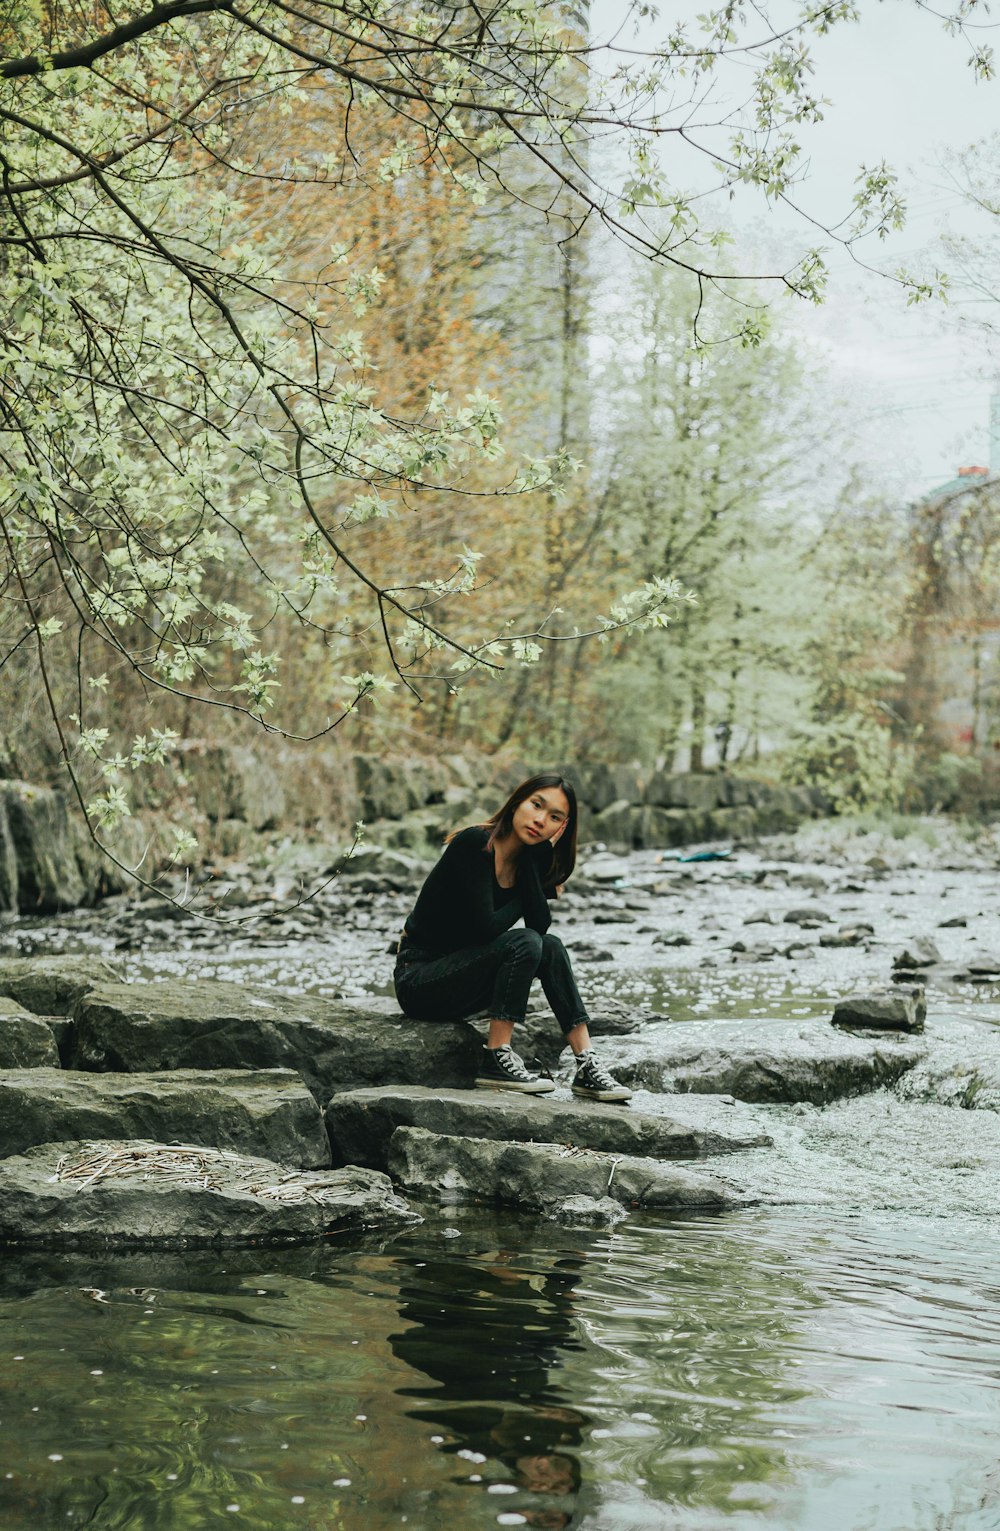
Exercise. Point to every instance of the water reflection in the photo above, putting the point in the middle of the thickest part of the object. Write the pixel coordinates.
(766, 1371)
(495, 1336)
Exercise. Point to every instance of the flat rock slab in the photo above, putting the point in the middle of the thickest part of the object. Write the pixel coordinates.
(762, 1062)
(52, 985)
(208, 1025)
(961, 1069)
(542, 1176)
(138, 1192)
(25, 1041)
(362, 1122)
(265, 1112)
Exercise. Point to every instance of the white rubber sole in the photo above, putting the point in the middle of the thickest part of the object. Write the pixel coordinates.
(611, 1097)
(537, 1087)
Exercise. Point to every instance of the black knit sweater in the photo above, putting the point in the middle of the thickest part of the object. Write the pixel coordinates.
(462, 904)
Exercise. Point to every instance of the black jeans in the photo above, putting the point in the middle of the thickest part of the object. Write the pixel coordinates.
(495, 979)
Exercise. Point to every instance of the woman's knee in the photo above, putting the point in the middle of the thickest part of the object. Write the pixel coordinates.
(553, 949)
(523, 943)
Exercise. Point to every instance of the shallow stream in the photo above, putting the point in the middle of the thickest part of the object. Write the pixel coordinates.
(828, 1365)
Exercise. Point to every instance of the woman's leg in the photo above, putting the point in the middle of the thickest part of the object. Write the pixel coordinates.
(592, 1080)
(559, 986)
(495, 978)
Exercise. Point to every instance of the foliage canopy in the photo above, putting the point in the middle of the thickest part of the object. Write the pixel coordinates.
(190, 407)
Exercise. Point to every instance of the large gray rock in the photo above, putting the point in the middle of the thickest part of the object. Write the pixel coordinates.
(389, 789)
(266, 1112)
(619, 825)
(736, 823)
(8, 867)
(759, 1061)
(52, 985)
(232, 782)
(147, 1193)
(962, 1068)
(539, 1176)
(49, 878)
(25, 1041)
(137, 1027)
(669, 828)
(686, 790)
(780, 808)
(361, 1123)
(600, 784)
(896, 1009)
(736, 791)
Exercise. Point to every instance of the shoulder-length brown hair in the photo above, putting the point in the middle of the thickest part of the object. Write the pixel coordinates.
(562, 855)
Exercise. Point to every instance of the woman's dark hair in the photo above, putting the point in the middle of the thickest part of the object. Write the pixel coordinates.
(562, 855)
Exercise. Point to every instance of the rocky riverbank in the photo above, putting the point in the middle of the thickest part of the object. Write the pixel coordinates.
(243, 816)
(172, 1087)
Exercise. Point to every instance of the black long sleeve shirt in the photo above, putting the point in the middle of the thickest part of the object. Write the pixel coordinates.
(462, 904)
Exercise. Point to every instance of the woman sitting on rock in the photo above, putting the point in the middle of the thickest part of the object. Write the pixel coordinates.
(459, 954)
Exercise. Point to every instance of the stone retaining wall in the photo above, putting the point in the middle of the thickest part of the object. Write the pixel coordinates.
(237, 800)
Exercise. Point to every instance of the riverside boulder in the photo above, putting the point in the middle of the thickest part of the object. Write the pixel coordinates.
(38, 831)
(153, 1194)
(210, 1025)
(541, 1176)
(25, 1041)
(362, 1122)
(898, 1009)
(756, 1061)
(52, 985)
(269, 1113)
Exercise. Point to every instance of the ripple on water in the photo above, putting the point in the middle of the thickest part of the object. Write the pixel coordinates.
(764, 1369)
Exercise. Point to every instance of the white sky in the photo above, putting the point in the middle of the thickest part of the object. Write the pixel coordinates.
(902, 90)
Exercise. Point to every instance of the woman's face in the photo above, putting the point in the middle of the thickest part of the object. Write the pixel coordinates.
(542, 816)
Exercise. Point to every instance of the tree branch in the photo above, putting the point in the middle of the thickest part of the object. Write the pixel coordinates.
(83, 57)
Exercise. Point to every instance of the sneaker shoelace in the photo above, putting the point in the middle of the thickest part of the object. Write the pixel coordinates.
(511, 1064)
(593, 1073)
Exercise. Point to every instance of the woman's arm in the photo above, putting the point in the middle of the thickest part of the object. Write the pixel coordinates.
(533, 899)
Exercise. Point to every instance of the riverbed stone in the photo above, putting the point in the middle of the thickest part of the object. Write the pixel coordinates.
(25, 1041)
(847, 935)
(210, 1025)
(921, 952)
(592, 1211)
(361, 1124)
(980, 967)
(269, 1112)
(538, 1176)
(898, 1009)
(759, 1061)
(150, 1194)
(52, 985)
(808, 916)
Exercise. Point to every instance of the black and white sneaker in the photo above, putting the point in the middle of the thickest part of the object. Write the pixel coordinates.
(593, 1080)
(502, 1069)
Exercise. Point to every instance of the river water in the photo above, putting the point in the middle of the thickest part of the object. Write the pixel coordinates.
(832, 1364)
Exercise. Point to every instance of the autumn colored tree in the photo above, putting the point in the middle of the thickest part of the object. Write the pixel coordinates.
(197, 442)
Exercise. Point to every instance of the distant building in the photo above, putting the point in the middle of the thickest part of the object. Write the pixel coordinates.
(953, 671)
